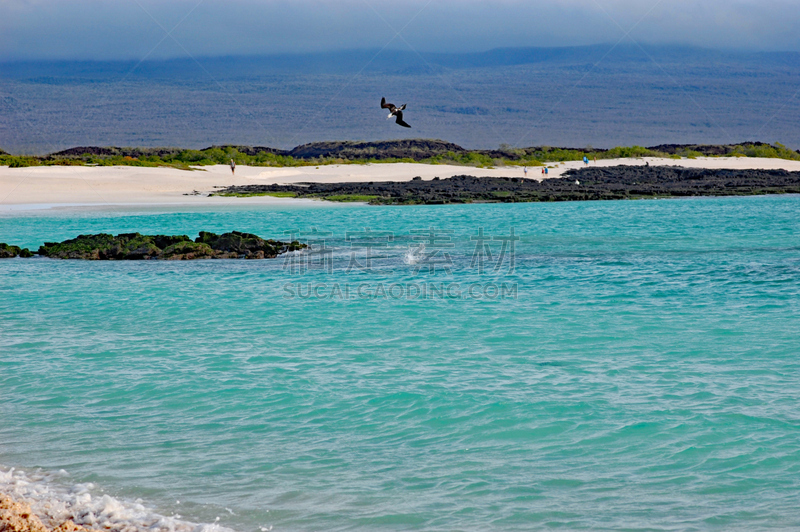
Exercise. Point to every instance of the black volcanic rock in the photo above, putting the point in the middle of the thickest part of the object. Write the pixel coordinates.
(713, 150)
(147, 250)
(590, 183)
(135, 246)
(416, 149)
(680, 181)
(246, 245)
(110, 151)
(9, 252)
(249, 150)
(190, 250)
(164, 241)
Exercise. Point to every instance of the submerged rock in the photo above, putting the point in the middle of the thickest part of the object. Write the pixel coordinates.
(135, 246)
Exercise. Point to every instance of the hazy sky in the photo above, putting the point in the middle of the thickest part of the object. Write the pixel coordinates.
(135, 29)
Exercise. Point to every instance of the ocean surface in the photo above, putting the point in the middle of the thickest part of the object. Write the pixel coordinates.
(622, 365)
(603, 96)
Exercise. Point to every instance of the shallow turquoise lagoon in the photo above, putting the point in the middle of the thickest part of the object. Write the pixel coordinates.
(631, 364)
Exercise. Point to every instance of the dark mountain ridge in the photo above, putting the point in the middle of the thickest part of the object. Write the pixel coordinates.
(416, 149)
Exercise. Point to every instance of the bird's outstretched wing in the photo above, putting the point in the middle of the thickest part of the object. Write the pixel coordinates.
(402, 107)
(385, 105)
(399, 120)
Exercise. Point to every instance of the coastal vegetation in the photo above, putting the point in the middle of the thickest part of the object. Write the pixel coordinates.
(409, 151)
(135, 246)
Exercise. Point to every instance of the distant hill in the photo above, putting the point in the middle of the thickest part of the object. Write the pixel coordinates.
(427, 150)
(416, 149)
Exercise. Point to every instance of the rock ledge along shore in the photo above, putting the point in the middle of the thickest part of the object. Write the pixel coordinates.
(19, 517)
(135, 246)
(590, 183)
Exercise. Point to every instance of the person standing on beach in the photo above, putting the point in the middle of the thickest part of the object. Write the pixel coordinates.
(525, 169)
(233, 166)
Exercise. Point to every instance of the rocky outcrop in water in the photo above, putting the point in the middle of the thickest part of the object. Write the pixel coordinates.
(9, 252)
(135, 246)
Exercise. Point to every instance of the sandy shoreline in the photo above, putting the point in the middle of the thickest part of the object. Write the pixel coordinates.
(41, 187)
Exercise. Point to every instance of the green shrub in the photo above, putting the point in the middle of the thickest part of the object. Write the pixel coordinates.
(14, 161)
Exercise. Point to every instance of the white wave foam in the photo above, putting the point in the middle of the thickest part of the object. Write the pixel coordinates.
(55, 502)
(414, 254)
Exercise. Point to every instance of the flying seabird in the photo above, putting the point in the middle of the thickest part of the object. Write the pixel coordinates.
(394, 111)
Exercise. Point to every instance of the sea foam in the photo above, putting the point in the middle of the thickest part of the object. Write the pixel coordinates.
(54, 501)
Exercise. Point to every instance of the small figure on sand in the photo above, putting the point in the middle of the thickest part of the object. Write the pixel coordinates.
(395, 111)
(233, 166)
(525, 169)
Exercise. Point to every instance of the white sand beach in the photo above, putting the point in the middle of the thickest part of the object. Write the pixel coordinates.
(53, 186)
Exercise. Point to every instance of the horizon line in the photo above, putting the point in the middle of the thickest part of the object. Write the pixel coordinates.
(266, 55)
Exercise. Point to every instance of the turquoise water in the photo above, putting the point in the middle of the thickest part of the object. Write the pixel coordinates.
(643, 375)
